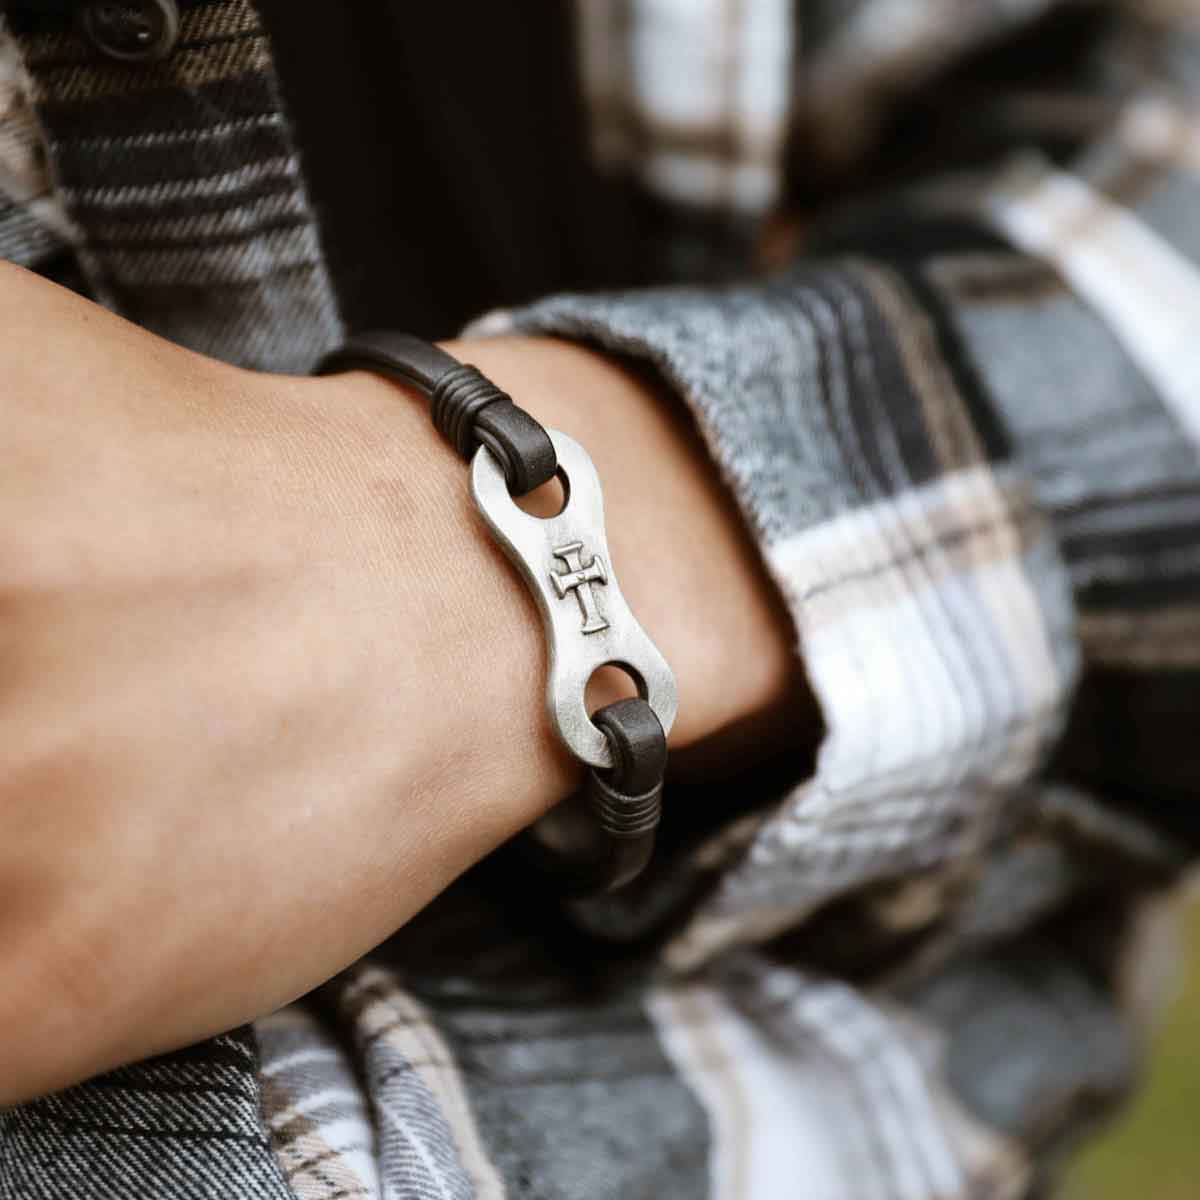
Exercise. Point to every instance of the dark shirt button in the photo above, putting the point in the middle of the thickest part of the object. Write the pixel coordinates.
(131, 30)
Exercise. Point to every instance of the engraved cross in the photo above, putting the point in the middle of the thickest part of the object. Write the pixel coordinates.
(579, 579)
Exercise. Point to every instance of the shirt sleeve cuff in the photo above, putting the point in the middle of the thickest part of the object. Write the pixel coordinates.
(934, 614)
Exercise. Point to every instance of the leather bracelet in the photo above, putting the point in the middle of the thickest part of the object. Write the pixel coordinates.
(603, 837)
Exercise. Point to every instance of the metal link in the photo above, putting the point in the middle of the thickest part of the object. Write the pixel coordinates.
(565, 561)
(602, 838)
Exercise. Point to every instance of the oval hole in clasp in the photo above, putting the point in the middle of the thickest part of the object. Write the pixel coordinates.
(612, 681)
(547, 501)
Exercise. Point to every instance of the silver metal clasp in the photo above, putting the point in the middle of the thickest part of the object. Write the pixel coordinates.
(565, 561)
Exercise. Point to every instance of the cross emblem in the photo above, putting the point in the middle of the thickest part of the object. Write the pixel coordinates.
(579, 579)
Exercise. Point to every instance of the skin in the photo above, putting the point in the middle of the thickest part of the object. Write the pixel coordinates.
(266, 684)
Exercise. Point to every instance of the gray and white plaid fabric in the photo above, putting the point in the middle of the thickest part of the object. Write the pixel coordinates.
(33, 224)
(964, 432)
(198, 226)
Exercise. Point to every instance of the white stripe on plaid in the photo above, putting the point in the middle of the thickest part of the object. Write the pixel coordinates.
(315, 1109)
(33, 223)
(940, 684)
(348, 1122)
(693, 95)
(777, 1117)
(1146, 290)
(811, 1089)
(420, 1103)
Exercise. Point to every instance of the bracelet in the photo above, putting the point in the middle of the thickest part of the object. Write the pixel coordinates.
(602, 837)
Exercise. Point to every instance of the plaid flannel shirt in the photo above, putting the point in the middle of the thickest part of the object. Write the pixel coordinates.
(962, 426)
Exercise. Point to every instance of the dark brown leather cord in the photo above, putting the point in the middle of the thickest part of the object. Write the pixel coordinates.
(467, 408)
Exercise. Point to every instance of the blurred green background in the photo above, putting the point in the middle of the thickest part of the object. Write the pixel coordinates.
(1152, 1152)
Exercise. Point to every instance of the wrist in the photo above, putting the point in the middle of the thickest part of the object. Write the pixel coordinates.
(685, 559)
(453, 681)
(457, 684)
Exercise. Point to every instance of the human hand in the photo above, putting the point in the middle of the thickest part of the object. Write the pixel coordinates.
(268, 686)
